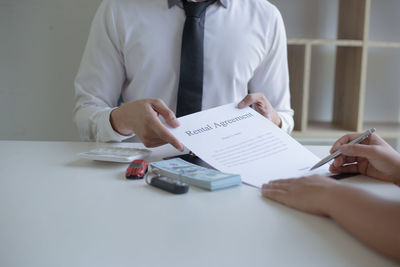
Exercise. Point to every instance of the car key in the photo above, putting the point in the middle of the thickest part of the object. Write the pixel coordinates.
(169, 184)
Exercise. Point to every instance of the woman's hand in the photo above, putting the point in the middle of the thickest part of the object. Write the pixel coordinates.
(309, 194)
(373, 157)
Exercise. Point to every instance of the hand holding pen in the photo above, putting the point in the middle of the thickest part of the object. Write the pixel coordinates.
(367, 154)
(374, 158)
(336, 152)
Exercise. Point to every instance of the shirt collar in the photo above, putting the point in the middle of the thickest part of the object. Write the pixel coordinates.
(172, 3)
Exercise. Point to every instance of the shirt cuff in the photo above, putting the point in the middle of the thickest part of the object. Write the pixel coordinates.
(105, 131)
(287, 122)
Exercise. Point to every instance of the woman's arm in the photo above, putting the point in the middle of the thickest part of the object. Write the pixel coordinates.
(373, 220)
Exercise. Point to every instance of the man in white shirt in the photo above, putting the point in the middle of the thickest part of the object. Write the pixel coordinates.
(134, 49)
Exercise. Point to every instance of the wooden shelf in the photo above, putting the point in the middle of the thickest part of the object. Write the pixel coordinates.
(352, 46)
(320, 130)
(383, 44)
(329, 130)
(349, 43)
(316, 42)
(385, 129)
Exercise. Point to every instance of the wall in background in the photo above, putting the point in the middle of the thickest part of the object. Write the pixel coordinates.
(42, 41)
(41, 44)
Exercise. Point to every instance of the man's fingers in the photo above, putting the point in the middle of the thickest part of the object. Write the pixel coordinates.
(263, 110)
(164, 134)
(168, 137)
(249, 100)
(154, 142)
(169, 116)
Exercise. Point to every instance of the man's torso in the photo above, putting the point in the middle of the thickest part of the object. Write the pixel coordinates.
(236, 40)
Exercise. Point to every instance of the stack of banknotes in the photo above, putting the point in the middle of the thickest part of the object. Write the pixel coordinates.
(195, 175)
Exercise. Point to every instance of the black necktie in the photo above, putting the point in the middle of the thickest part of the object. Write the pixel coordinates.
(190, 90)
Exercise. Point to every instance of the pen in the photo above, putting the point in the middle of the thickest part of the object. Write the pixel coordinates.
(337, 152)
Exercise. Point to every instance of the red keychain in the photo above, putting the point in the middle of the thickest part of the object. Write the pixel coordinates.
(137, 169)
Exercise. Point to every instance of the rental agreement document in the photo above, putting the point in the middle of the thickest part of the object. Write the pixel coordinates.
(242, 141)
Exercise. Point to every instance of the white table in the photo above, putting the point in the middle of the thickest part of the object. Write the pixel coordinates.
(59, 210)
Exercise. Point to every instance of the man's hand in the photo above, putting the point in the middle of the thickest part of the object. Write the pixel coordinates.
(262, 106)
(373, 157)
(308, 194)
(142, 118)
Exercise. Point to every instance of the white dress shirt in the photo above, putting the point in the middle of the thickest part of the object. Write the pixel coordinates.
(134, 50)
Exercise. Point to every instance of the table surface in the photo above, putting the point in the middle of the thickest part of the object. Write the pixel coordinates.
(59, 210)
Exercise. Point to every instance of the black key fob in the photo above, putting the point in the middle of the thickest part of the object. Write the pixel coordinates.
(169, 184)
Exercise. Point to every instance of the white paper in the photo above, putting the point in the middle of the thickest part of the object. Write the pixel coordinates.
(241, 141)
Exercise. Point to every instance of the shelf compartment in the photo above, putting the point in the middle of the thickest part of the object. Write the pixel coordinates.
(350, 93)
(354, 19)
(349, 75)
(299, 58)
(383, 90)
(384, 22)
